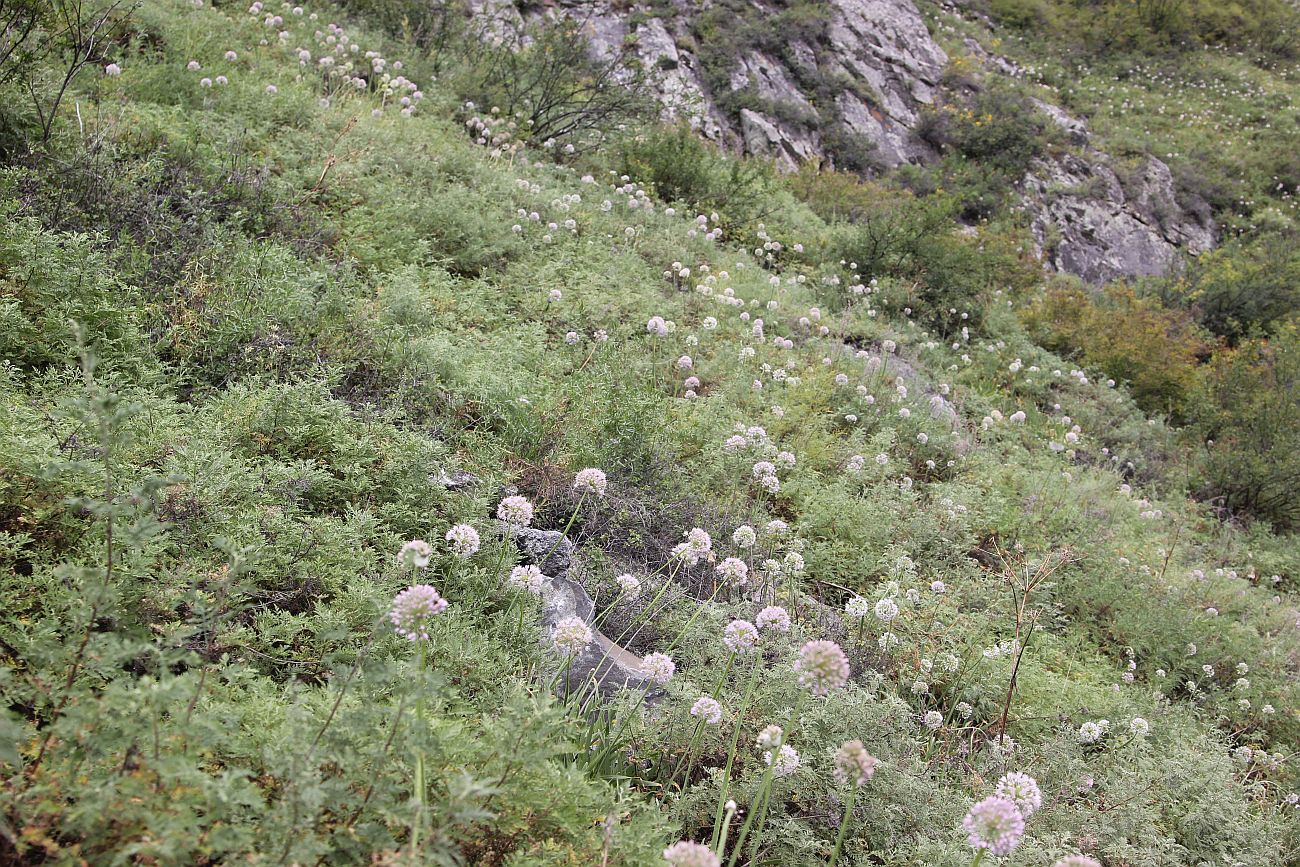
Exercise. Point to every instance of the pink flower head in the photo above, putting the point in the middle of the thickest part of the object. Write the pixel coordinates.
(412, 610)
(822, 667)
(994, 824)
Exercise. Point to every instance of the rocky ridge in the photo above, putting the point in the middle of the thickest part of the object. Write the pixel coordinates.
(883, 69)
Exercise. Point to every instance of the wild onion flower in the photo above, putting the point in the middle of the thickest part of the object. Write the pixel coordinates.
(571, 635)
(857, 608)
(515, 511)
(787, 761)
(994, 824)
(112, 70)
(1022, 790)
(464, 540)
(1139, 727)
(659, 667)
(629, 585)
(1089, 733)
(707, 709)
(697, 546)
(528, 578)
(412, 610)
(744, 536)
(740, 636)
(933, 719)
(773, 617)
(769, 737)
(415, 554)
(657, 326)
(822, 667)
(733, 572)
(688, 854)
(1077, 861)
(886, 610)
(853, 764)
(590, 481)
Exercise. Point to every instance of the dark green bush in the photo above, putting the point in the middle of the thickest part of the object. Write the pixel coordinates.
(1249, 420)
(680, 167)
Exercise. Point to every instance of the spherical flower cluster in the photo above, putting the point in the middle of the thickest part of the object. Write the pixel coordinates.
(1077, 861)
(886, 610)
(1022, 790)
(740, 636)
(857, 608)
(112, 70)
(464, 540)
(707, 709)
(688, 854)
(657, 326)
(933, 719)
(733, 571)
(590, 481)
(769, 737)
(697, 546)
(822, 667)
(415, 554)
(744, 537)
(528, 578)
(629, 585)
(787, 761)
(659, 667)
(1089, 733)
(571, 635)
(773, 617)
(994, 824)
(515, 511)
(1139, 727)
(412, 610)
(853, 764)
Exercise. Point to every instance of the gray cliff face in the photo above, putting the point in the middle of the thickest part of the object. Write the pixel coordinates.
(1086, 223)
(880, 69)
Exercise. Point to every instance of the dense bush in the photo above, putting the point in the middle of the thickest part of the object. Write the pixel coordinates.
(1155, 350)
(681, 168)
(1248, 416)
(1242, 289)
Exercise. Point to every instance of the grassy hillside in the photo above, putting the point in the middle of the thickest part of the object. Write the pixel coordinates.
(256, 316)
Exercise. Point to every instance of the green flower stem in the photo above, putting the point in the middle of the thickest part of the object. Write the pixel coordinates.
(717, 690)
(691, 620)
(979, 856)
(844, 826)
(765, 793)
(565, 532)
(718, 827)
(418, 821)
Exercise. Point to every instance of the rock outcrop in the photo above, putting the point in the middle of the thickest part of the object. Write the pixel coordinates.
(852, 92)
(1086, 222)
(602, 662)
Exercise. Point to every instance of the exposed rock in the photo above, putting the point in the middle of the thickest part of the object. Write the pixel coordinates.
(763, 136)
(457, 481)
(1075, 130)
(1086, 224)
(675, 72)
(611, 667)
(769, 80)
(1083, 218)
